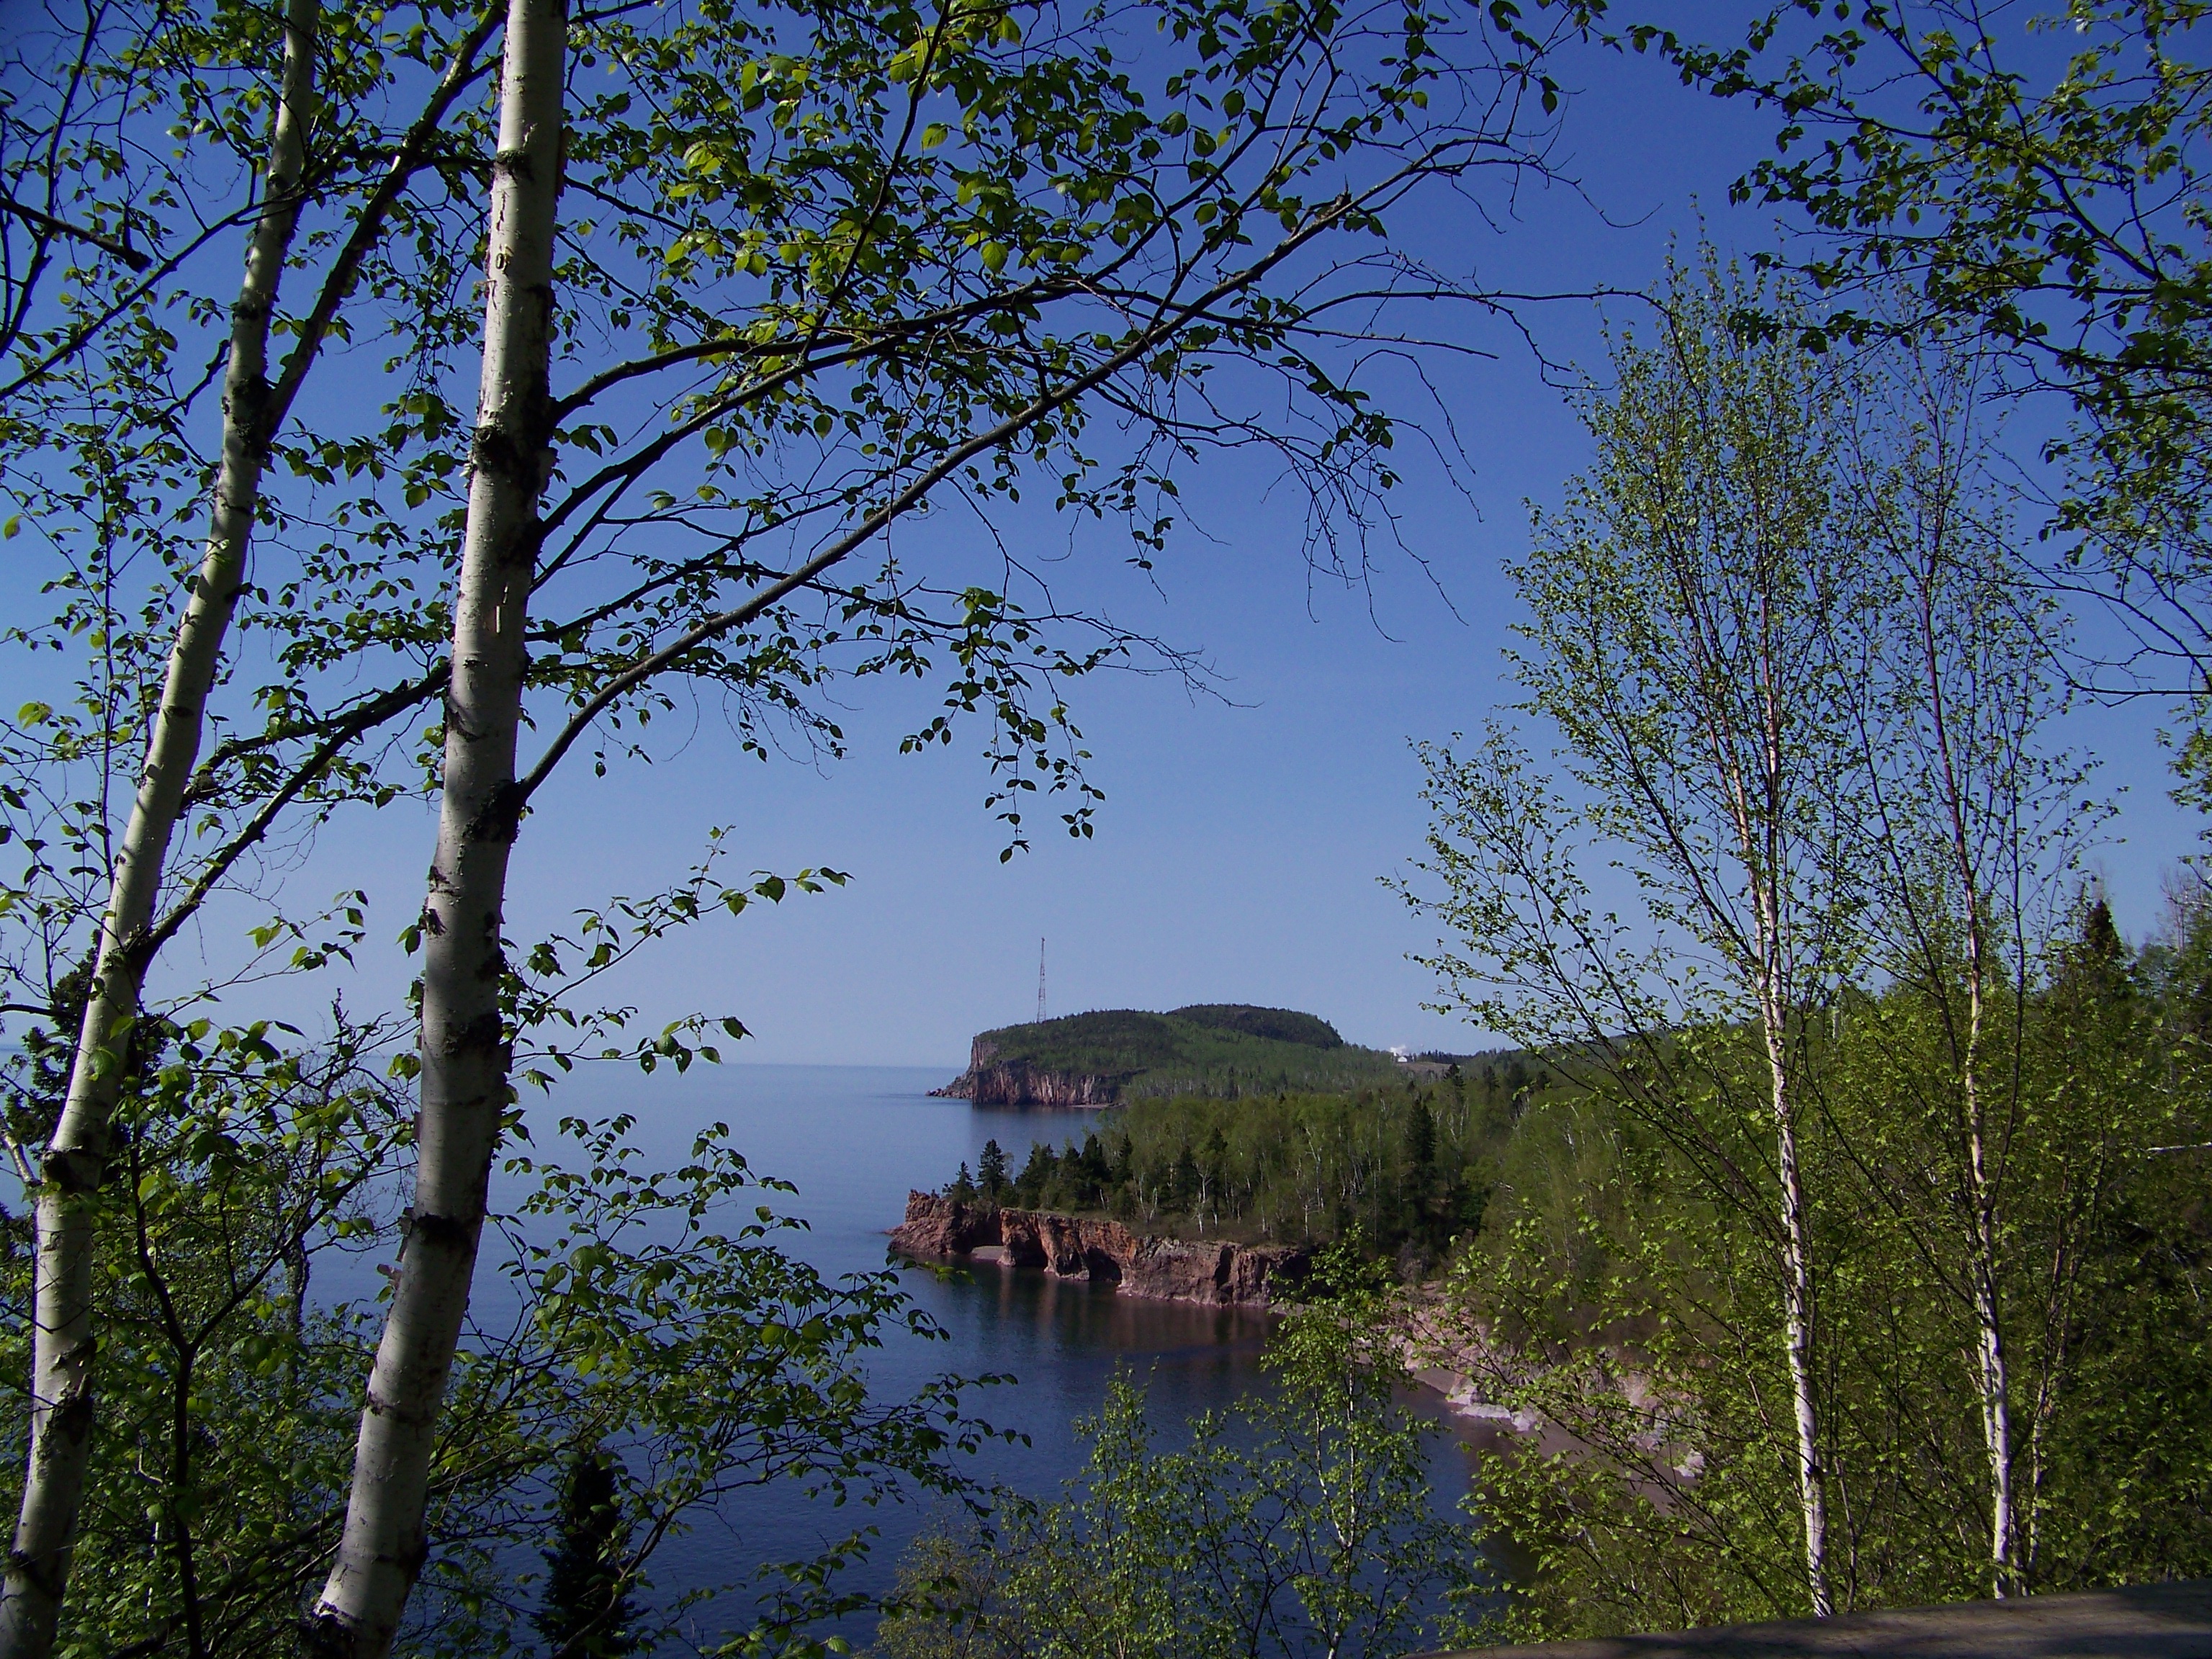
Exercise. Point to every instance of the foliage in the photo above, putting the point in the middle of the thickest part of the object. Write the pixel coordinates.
(1280, 1025)
(2039, 181)
(1803, 703)
(1302, 1524)
(587, 1613)
(256, 1174)
(1617, 1297)
(1403, 1168)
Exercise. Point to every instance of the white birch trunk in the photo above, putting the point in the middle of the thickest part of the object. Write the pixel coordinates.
(1759, 836)
(1993, 1370)
(77, 1159)
(1797, 1324)
(1996, 1412)
(464, 1051)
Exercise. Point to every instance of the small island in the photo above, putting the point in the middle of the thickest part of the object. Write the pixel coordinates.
(1217, 1050)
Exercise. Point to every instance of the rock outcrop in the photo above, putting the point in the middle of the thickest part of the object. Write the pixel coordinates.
(990, 1081)
(1081, 1247)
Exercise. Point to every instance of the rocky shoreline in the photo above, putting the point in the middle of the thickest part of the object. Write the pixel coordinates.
(1216, 1272)
(1475, 1377)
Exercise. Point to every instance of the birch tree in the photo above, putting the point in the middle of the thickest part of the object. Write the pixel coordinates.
(919, 322)
(1679, 609)
(464, 1046)
(1936, 879)
(133, 919)
(1970, 837)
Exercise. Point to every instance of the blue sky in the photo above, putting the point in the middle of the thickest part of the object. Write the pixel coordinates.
(1240, 852)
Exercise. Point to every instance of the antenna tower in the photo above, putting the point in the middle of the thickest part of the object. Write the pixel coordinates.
(1040, 982)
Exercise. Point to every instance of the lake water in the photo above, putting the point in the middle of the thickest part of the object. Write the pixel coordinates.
(853, 1140)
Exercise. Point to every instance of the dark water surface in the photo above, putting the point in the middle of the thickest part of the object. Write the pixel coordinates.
(853, 1140)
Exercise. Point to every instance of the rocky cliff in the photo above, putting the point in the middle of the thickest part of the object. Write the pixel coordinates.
(991, 1081)
(1078, 1247)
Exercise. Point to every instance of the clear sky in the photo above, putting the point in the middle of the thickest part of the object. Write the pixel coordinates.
(1239, 853)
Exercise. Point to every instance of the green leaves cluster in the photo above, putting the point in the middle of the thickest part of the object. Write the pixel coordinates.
(641, 1309)
(1860, 1073)
(2039, 181)
(1302, 1523)
(1627, 1296)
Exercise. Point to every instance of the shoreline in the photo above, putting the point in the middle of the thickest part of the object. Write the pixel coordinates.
(1203, 1273)
(1217, 1272)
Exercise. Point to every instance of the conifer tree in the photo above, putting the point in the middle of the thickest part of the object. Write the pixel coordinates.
(991, 1171)
(587, 1611)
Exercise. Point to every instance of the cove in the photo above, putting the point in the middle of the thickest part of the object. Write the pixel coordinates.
(855, 1140)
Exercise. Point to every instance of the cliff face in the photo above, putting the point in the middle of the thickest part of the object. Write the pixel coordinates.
(1076, 1247)
(989, 1081)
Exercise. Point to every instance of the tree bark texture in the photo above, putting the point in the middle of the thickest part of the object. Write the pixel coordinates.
(1984, 1243)
(1797, 1303)
(1758, 806)
(463, 1043)
(77, 1159)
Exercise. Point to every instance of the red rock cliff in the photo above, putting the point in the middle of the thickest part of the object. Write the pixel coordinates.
(1079, 1247)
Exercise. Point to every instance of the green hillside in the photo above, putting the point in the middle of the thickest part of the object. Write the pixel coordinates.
(1212, 1048)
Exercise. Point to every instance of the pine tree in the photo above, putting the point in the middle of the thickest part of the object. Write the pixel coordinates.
(1038, 1176)
(1421, 1167)
(1186, 1179)
(991, 1171)
(1421, 1138)
(588, 1612)
(1094, 1172)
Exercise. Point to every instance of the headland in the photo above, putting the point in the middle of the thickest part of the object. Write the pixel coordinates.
(1219, 1050)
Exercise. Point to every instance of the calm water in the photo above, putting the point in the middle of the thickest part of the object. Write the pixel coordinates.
(853, 1140)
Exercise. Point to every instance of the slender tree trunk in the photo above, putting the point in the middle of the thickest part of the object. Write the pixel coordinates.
(1992, 1361)
(1759, 836)
(1996, 1421)
(1797, 1303)
(77, 1159)
(1993, 1378)
(463, 1044)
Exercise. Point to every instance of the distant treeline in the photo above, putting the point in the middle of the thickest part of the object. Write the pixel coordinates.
(1410, 1164)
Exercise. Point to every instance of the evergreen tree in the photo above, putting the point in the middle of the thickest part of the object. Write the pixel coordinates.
(1186, 1179)
(1420, 1139)
(1420, 1166)
(991, 1171)
(1038, 1176)
(588, 1611)
(1096, 1171)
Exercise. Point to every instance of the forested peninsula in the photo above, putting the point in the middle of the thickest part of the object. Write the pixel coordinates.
(1402, 1167)
(1214, 1050)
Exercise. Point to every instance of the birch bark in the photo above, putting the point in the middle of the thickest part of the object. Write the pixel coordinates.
(1762, 862)
(1758, 793)
(463, 1044)
(77, 1159)
(1993, 1364)
(1797, 1292)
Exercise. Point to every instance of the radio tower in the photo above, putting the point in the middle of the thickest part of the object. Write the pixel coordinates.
(1040, 1018)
